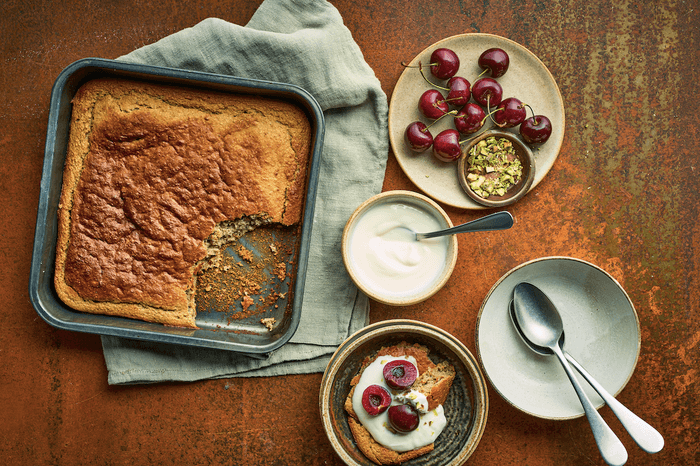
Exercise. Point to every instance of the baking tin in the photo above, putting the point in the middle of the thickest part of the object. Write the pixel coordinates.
(217, 329)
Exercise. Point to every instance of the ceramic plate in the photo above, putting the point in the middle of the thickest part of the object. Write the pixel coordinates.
(527, 79)
(601, 331)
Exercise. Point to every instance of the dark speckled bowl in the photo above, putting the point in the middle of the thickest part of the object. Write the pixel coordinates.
(466, 407)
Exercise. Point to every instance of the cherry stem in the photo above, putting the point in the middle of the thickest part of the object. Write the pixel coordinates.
(488, 109)
(482, 126)
(534, 117)
(489, 115)
(420, 67)
(483, 130)
(451, 112)
(408, 65)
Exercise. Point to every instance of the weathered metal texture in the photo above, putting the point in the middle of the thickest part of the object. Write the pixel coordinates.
(623, 195)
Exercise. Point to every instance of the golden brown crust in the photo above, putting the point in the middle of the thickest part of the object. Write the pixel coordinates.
(434, 381)
(378, 453)
(435, 384)
(151, 172)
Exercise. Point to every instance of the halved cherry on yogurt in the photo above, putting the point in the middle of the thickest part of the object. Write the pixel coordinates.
(375, 399)
(400, 374)
(403, 418)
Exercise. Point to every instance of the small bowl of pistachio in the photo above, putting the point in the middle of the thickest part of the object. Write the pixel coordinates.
(496, 168)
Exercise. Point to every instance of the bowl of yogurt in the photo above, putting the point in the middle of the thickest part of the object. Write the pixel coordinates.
(384, 259)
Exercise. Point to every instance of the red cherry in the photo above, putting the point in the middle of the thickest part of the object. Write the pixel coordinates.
(444, 63)
(375, 399)
(470, 118)
(487, 92)
(418, 137)
(446, 146)
(432, 104)
(400, 374)
(460, 91)
(509, 113)
(403, 418)
(458, 88)
(536, 129)
(495, 61)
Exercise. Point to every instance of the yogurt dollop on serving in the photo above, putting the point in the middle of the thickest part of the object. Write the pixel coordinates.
(431, 423)
(387, 258)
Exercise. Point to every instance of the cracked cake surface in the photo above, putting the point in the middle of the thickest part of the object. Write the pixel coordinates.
(157, 178)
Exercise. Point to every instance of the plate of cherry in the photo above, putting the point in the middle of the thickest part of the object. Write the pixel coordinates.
(459, 87)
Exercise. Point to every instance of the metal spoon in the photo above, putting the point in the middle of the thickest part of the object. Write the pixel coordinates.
(648, 438)
(497, 221)
(541, 324)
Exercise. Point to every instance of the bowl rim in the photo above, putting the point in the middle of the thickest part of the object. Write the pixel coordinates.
(417, 199)
(379, 329)
(524, 185)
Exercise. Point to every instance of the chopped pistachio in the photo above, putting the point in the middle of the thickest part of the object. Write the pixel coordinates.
(493, 167)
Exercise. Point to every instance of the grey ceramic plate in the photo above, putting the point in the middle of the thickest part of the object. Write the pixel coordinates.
(466, 407)
(527, 79)
(600, 325)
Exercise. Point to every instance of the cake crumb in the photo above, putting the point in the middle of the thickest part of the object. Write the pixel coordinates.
(268, 322)
(245, 254)
(246, 302)
(281, 271)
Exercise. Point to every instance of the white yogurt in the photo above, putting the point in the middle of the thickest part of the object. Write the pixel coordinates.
(387, 259)
(431, 422)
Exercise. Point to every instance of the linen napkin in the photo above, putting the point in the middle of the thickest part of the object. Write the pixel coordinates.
(302, 42)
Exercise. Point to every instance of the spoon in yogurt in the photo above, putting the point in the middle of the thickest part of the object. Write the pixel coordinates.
(497, 221)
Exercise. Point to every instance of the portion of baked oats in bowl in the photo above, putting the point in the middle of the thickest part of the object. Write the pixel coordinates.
(448, 378)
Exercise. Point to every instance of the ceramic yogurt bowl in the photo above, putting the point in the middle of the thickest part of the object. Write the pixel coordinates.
(465, 408)
(382, 257)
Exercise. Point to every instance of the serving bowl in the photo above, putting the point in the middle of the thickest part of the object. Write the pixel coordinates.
(384, 260)
(466, 406)
(602, 334)
(517, 191)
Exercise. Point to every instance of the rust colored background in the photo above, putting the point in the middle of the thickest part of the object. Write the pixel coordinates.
(623, 195)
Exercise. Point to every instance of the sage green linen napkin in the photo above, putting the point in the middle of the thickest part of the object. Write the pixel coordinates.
(303, 43)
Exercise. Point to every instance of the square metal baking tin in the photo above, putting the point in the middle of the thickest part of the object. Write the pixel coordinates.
(217, 330)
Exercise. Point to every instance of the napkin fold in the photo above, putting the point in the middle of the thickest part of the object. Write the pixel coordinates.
(302, 42)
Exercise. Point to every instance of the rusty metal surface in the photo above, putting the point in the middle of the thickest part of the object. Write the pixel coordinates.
(623, 195)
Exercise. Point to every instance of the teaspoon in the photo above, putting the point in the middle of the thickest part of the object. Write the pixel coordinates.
(496, 221)
(648, 438)
(541, 324)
